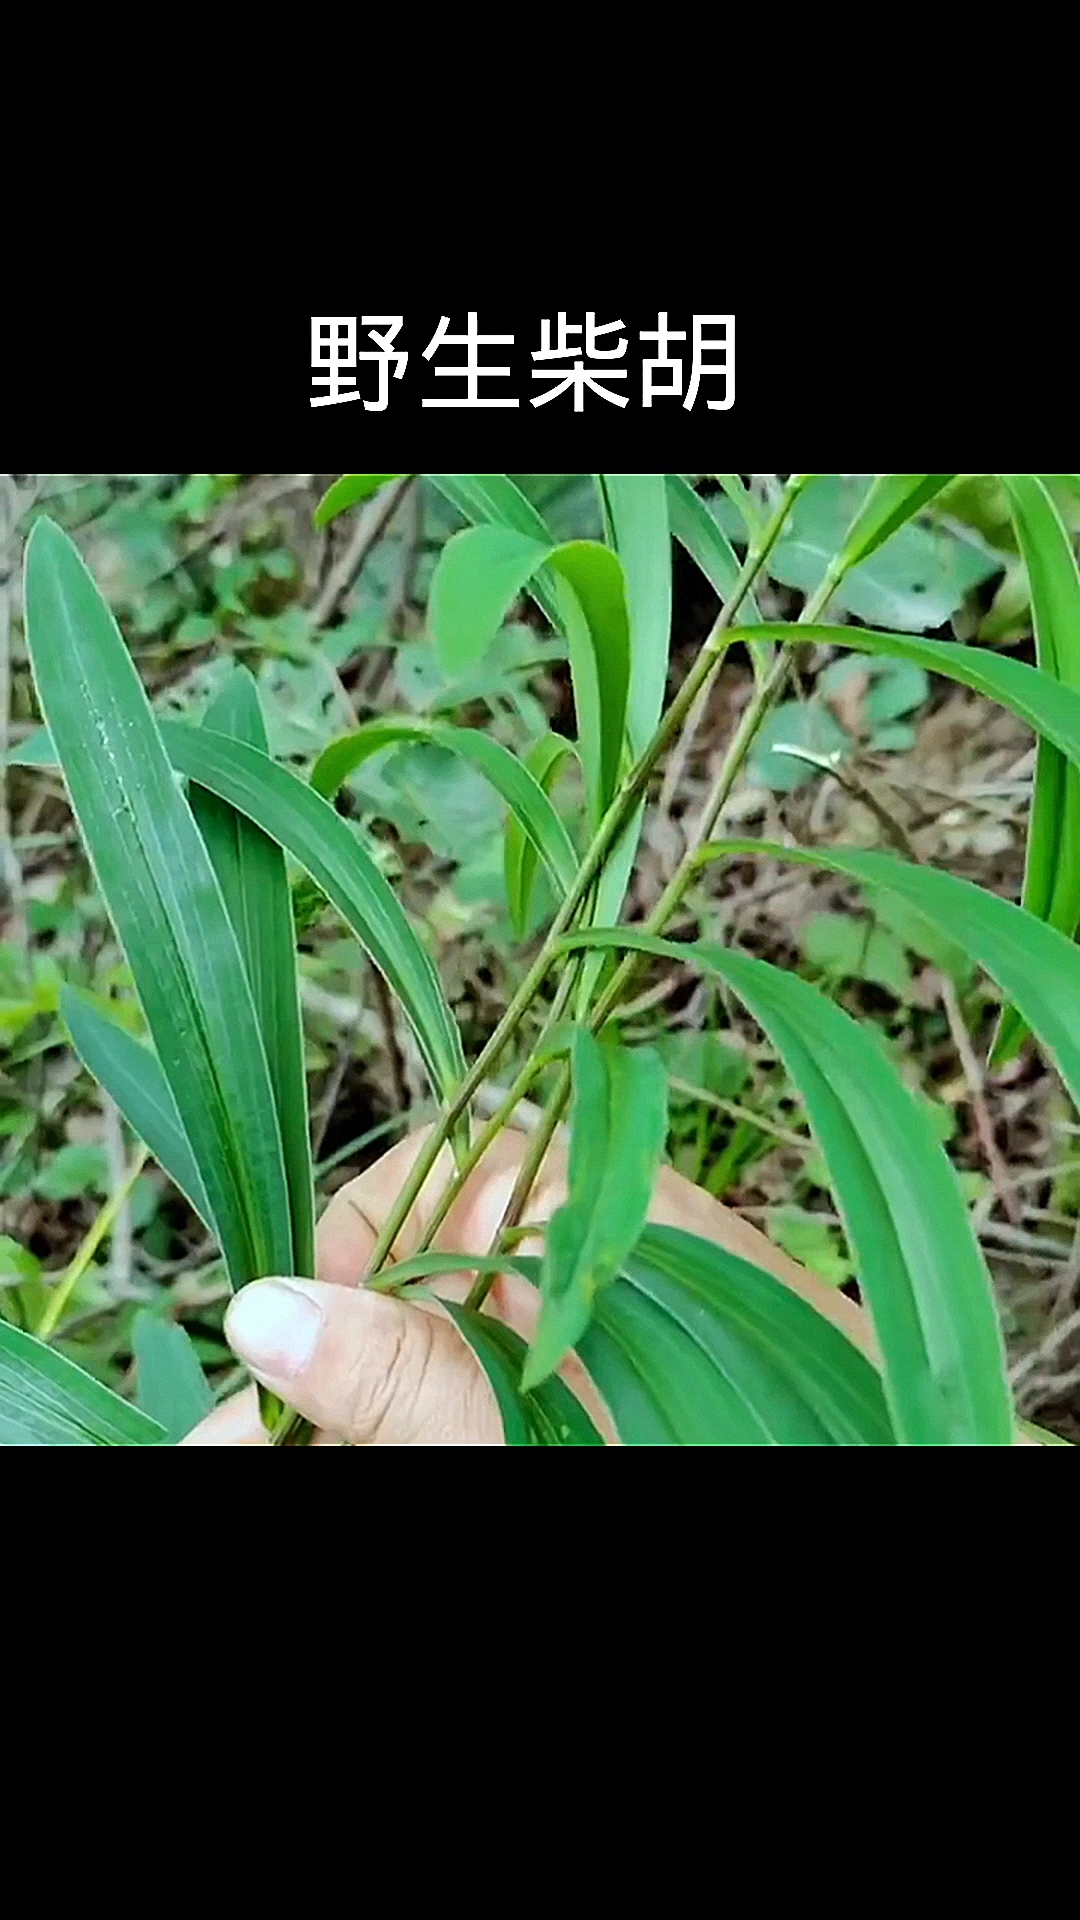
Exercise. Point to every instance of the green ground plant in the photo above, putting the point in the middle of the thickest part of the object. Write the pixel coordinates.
(197, 833)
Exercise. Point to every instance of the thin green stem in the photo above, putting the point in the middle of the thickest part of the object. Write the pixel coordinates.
(103, 1225)
(605, 838)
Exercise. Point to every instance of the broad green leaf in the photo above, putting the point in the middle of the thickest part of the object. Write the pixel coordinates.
(480, 574)
(254, 881)
(171, 1385)
(851, 949)
(318, 839)
(548, 1415)
(165, 903)
(794, 723)
(1052, 709)
(492, 499)
(533, 814)
(915, 582)
(1037, 967)
(132, 1076)
(618, 1128)
(1052, 876)
(806, 1381)
(543, 761)
(893, 499)
(919, 1264)
(347, 491)
(47, 1401)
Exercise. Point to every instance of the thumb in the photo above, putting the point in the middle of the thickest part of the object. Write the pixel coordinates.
(371, 1370)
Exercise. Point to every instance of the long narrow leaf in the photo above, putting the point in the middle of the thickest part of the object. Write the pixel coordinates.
(254, 881)
(132, 1076)
(893, 499)
(705, 540)
(47, 1401)
(919, 1264)
(617, 1135)
(547, 1416)
(1052, 709)
(318, 839)
(1037, 967)
(479, 575)
(1052, 874)
(493, 500)
(165, 902)
(346, 492)
(520, 857)
(532, 811)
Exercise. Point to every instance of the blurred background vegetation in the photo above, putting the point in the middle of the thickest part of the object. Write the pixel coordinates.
(206, 569)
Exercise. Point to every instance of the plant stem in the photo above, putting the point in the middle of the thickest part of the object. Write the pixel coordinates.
(605, 838)
(103, 1224)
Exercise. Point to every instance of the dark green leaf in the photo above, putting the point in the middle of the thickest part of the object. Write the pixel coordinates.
(171, 1385)
(165, 902)
(47, 1401)
(1052, 876)
(543, 761)
(919, 1264)
(532, 811)
(254, 881)
(618, 1129)
(547, 1416)
(132, 1076)
(308, 828)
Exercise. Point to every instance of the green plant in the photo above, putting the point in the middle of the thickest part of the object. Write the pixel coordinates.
(190, 828)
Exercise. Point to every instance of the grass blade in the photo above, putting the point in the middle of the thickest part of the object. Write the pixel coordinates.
(1052, 873)
(618, 1130)
(47, 1401)
(704, 539)
(893, 499)
(1050, 708)
(546, 1416)
(492, 500)
(1037, 967)
(132, 1076)
(254, 881)
(920, 1266)
(814, 1365)
(165, 903)
(544, 761)
(171, 1385)
(479, 576)
(531, 811)
(307, 827)
(347, 492)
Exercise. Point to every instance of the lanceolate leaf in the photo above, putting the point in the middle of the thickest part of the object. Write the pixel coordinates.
(1052, 876)
(171, 1384)
(253, 877)
(132, 1076)
(47, 1401)
(543, 761)
(480, 574)
(1052, 709)
(617, 1136)
(1034, 964)
(919, 1264)
(547, 1416)
(705, 540)
(893, 499)
(492, 500)
(165, 902)
(346, 492)
(308, 828)
(533, 814)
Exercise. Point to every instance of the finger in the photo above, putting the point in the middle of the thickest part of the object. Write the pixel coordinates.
(236, 1423)
(372, 1370)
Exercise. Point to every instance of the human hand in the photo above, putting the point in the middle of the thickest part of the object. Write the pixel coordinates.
(371, 1370)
